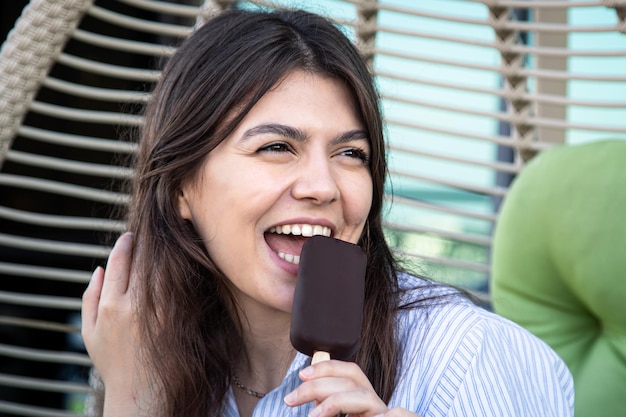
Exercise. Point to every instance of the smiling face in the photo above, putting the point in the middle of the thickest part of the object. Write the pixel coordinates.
(296, 166)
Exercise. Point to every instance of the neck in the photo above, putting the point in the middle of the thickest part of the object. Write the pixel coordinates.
(267, 350)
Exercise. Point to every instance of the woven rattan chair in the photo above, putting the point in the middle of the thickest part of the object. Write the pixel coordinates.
(70, 83)
(74, 73)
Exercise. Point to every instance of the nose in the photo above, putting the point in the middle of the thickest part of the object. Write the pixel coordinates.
(315, 181)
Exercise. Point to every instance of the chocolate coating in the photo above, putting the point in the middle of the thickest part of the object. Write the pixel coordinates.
(328, 301)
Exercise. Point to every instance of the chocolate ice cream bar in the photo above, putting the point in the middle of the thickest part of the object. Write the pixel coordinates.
(328, 302)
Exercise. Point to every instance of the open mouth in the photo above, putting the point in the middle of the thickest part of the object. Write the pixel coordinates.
(287, 240)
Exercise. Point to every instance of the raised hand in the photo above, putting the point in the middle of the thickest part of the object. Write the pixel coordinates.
(109, 331)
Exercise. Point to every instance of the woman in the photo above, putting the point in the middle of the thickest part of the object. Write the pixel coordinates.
(265, 129)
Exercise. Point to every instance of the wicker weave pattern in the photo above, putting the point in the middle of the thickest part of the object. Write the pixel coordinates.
(27, 55)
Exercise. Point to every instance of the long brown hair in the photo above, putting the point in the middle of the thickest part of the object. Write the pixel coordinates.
(216, 76)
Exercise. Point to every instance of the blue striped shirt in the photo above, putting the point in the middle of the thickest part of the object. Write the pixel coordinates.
(458, 360)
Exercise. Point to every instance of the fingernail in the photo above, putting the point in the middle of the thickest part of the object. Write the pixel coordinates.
(95, 271)
(306, 372)
(290, 398)
(125, 240)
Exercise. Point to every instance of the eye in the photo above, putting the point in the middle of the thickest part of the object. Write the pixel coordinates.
(356, 153)
(277, 147)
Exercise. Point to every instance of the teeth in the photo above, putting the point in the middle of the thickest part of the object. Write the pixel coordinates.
(306, 230)
(294, 259)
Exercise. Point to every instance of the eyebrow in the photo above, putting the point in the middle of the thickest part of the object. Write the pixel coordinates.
(350, 135)
(277, 129)
(296, 134)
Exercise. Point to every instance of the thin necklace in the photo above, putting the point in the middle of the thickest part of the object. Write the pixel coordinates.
(246, 389)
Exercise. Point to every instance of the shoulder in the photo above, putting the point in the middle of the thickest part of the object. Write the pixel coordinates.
(438, 316)
(454, 352)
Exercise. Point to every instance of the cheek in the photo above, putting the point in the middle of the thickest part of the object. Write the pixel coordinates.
(359, 201)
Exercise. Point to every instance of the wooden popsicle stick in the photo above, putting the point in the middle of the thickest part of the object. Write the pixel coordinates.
(320, 356)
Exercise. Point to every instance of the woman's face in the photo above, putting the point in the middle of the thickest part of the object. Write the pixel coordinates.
(296, 166)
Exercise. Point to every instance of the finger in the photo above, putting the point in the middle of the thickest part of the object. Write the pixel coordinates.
(337, 369)
(117, 272)
(360, 402)
(319, 390)
(91, 299)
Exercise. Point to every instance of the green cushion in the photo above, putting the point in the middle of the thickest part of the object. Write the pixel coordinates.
(559, 265)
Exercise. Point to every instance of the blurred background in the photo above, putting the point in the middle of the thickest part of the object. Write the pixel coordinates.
(471, 90)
